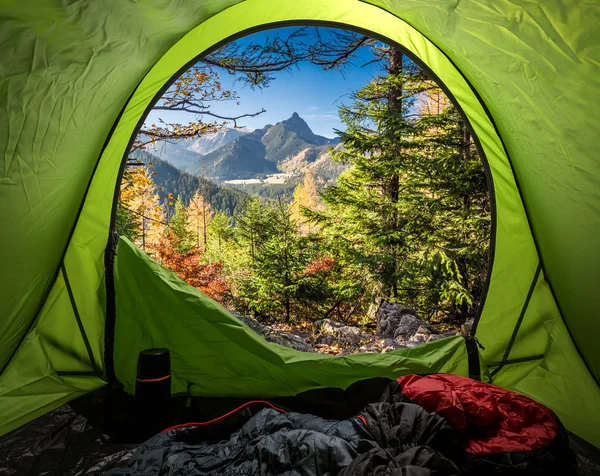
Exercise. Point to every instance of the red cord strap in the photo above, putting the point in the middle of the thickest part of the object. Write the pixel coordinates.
(227, 415)
(153, 380)
(363, 420)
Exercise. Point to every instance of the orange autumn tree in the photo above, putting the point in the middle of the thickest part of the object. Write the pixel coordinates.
(188, 265)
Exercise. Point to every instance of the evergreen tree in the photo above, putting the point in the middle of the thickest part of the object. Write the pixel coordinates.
(274, 257)
(281, 262)
(128, 222)
(254, 226)
(219, 235)
(412, 208)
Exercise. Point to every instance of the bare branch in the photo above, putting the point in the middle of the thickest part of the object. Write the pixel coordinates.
(329, 49)
(181, 107)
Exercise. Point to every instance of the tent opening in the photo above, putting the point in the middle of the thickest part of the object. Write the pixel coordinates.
(321, 241)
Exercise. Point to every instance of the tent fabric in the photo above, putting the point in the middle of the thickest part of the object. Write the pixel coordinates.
(76, 79)
(214, 354)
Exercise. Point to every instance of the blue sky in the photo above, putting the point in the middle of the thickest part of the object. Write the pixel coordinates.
(313, 93)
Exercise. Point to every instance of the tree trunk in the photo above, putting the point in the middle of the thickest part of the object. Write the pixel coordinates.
(143, 233)
(394, 68)
(205, 226)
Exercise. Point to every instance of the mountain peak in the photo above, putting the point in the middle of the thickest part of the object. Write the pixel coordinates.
(298, 126)
(296, 119)
(296, 123)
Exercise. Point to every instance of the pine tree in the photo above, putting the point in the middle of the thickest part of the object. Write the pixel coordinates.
(272, 257)
(219, 235)
(364, 216)
(254, 226)
(281, 261)
(411, 211)
(456, 257)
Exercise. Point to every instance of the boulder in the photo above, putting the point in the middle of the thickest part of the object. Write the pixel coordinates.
(290, 340)
(252, 323)
(443, 335)
(398, 327)
(326, 339)
(398, 322)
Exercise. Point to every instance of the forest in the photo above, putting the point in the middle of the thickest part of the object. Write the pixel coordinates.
(407, 221)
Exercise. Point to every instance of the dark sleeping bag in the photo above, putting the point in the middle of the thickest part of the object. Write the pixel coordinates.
(434, 425)
(272, 442)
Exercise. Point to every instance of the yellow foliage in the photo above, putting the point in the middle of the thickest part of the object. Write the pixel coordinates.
(200, 214)
(139, 195)
(306, 195)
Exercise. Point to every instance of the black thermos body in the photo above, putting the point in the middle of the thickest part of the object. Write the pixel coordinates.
(153, 389)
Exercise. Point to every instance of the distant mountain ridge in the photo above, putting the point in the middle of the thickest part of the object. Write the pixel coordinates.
(209, 142)
(262, 151)
(231, 154)
(183, 153)
(182, 185)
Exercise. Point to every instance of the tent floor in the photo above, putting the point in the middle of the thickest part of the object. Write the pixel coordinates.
(102, 430)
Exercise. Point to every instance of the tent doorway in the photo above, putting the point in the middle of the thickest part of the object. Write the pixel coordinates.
(188, 202)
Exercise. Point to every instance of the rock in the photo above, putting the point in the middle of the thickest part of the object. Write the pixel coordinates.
(341, 333)
(398, 327)
(421, 336)
(252, 323)
(390, 343)
(370, 347)
(289, 340)
(326, 326)
(398, 322)
(286, 339)
(411, 343)
(326, 339)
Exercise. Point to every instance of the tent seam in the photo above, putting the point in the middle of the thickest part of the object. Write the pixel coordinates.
(519, 322)
(86, 342)
(518, 360)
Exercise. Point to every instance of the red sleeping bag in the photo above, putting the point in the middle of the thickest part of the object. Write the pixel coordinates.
(499, 429)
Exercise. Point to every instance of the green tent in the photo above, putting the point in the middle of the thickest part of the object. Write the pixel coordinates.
(77, 305)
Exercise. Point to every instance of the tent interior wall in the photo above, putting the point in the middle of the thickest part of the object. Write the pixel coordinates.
(76, 79)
